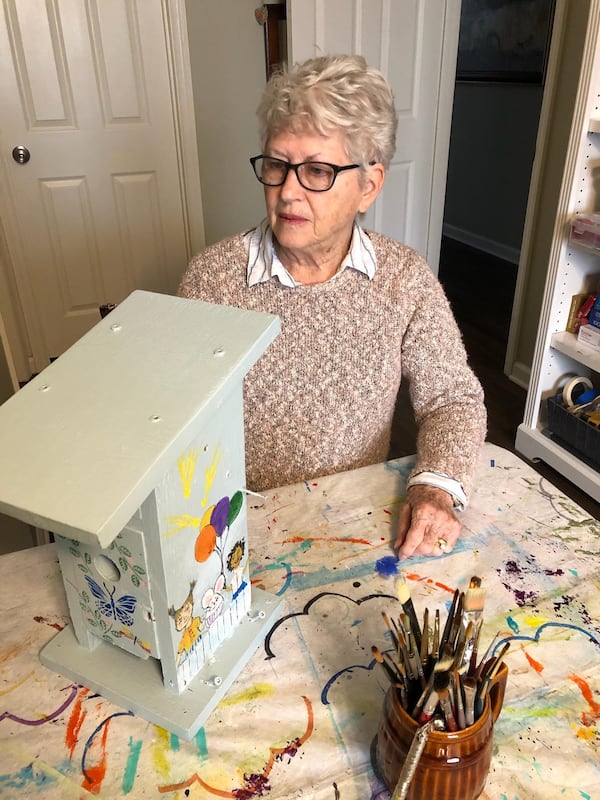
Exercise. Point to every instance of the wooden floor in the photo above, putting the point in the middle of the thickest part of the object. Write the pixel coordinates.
(480, 289)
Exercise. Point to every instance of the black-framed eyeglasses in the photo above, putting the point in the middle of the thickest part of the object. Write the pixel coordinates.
(316, 176)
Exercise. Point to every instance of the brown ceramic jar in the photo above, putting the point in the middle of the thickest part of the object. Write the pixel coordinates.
(452, 765)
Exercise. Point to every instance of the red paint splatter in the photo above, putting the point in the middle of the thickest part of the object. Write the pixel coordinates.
(75, 722)
(387, 511)
(539, 668)
(587, 718)
(93, 776)
(55, 625)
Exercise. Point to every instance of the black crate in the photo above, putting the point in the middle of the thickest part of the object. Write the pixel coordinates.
(573, 433)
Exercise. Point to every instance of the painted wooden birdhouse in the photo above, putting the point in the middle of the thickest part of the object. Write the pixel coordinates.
(129, 448)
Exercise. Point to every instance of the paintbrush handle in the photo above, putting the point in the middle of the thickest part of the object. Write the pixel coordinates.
(412, 759)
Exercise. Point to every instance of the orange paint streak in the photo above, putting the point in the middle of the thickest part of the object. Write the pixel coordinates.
(539, 668)
(296, 539)
(587, 719)
(414, 577)
(274, 752)
(92, 780)
(75, 722)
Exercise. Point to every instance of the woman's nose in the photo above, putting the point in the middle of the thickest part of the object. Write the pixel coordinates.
(291, 185)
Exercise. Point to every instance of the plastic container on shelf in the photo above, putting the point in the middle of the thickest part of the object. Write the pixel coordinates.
(585, 231)
(572, 432)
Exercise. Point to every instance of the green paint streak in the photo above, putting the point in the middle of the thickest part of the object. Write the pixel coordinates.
(131, 766)
(532, 713)
(174, 742)
(200, 739)
(585, 795)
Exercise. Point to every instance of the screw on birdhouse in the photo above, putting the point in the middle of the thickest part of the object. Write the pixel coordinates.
(115, 327)
(218, 352)
(154, 418)
(216, 680)
(44, 388)
(254, 615)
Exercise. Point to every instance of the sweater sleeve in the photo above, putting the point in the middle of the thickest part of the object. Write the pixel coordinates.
(446, 396)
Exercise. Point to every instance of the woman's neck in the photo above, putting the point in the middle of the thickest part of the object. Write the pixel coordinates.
(309, 268)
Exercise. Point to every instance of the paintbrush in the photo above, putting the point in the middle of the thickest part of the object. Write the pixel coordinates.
(403, 653)
(490, 674)
(457, 621)
(443, 664)
(403, 593)
(460, 708)
(446, 632)
(435, 645)
(392, 629)
(425, 639)
(441, 684)
(481, 666)
(470, 690)
(474, 603)
(390, 670)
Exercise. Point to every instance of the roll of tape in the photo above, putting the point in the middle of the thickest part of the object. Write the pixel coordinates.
(569, 389)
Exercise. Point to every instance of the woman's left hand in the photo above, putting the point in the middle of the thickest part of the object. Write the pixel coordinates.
(428, 525)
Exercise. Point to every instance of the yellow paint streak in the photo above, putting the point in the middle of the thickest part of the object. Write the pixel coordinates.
(210, 473)
(16, 685)
(159, 752)
(257, 692)
(534, 622)
(179, 523)
(587, 734)
(186, 465)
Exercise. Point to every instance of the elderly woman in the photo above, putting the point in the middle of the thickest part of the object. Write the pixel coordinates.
(359, 311)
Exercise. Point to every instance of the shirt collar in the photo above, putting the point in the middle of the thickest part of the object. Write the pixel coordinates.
(264, 264)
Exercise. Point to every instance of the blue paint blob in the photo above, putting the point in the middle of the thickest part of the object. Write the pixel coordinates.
(512, 624)
(386, 566)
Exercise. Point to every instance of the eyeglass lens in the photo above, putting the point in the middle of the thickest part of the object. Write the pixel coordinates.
(312, 174)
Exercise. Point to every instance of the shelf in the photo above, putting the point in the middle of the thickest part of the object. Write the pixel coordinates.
(569, 345)
(535, 446)
(594, 125)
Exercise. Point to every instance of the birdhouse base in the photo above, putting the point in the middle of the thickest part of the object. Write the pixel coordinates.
(137, 684)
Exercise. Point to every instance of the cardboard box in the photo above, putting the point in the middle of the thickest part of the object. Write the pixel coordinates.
(590, 335)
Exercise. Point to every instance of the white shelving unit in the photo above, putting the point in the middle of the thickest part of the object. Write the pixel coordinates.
(558, 355)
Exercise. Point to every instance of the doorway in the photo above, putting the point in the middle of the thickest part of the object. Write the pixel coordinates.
(502, 58)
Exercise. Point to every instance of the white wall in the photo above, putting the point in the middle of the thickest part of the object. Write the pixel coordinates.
(228, 74)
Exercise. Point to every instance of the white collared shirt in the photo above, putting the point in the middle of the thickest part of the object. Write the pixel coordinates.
(264, 263)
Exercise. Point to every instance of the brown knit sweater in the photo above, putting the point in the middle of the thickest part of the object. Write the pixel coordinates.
(321, 398)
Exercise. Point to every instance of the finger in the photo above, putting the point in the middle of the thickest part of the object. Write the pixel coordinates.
(403, 525)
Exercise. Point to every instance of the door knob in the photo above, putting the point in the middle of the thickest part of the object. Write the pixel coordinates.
(21, 154)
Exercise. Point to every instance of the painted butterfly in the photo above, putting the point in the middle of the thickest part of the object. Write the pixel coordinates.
(121, 609)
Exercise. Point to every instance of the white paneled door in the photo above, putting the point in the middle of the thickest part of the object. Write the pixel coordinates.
(414, 43)
(92, 203)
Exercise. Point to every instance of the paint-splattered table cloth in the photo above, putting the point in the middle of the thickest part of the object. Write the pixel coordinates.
(300, 719)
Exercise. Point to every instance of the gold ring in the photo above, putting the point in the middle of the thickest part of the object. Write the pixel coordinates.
(442, 543)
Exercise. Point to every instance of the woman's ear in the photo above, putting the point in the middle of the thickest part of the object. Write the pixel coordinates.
(372, 184)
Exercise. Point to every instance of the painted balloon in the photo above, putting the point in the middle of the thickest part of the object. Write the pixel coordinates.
(237, 501)
(205, 543)
(219, 516)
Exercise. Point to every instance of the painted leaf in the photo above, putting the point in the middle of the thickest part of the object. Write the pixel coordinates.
(220, 515)
(205, 543)
(237, 501)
